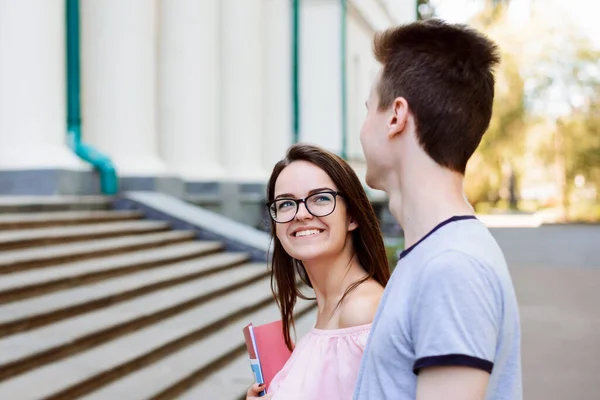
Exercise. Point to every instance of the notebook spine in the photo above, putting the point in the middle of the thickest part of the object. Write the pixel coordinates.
(254, 356)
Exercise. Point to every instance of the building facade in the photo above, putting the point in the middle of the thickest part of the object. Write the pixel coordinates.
(192, 97)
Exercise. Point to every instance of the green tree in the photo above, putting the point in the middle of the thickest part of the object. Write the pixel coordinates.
(549, 72)
(573, 149)
(503, 143)
(565, 88)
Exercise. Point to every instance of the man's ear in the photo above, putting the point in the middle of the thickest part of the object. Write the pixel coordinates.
(398, 117)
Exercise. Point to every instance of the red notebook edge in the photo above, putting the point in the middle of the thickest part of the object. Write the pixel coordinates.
(271, 349)
(253, 355)
(249, 341)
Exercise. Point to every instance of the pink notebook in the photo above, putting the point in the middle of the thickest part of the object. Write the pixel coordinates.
(267, 350)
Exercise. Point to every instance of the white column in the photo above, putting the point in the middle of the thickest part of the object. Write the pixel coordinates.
(320, 74)
(118, 68)
(242, 61)
(278, 81)
(32, 86)
(362, 68)
(189, 88)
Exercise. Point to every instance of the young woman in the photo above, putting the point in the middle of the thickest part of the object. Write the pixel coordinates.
(326, 233)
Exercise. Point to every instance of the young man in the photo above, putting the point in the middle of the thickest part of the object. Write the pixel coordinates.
(448, 324)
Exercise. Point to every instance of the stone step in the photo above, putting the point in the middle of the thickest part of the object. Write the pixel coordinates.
(80, 372)
(233, 380)
(18, 260)
(171, 374)
(44, 236)
(56, 343)
(19, 286)
(18, 352)
(53, 203)
(29, 314)
(43, 219)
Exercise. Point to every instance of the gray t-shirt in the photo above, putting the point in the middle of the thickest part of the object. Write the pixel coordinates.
(449, 302)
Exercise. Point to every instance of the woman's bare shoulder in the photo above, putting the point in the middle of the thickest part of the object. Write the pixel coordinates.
(360, 305)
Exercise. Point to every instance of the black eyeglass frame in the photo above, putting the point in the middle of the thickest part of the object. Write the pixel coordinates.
(334, 193)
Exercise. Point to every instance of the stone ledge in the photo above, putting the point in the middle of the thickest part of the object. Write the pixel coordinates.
(49, 182)
(209, 225)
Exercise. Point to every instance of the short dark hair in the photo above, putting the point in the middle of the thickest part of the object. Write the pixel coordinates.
(445, 73)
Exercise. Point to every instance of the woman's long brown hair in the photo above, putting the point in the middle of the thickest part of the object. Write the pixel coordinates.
(367, 237)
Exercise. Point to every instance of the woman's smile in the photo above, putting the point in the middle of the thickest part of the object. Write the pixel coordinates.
(306, 232)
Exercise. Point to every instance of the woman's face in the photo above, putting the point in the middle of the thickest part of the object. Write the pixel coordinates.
(307, 237)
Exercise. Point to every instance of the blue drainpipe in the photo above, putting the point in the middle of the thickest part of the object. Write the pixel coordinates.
(295, 71)
(109, 183)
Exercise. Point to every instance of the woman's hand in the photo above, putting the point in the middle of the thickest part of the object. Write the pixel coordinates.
(254, 391)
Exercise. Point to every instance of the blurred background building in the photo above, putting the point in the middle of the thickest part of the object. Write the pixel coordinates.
(193, 98)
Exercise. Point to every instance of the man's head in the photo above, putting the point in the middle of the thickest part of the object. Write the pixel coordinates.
(436, 85)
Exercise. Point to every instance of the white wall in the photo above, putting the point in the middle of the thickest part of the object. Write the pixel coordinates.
(32, 86)
(277, 135)
(320, 80)
(242, 85)
(189, 88)
(362, 68)
(404, 11)
(197, 91)
(118, 73)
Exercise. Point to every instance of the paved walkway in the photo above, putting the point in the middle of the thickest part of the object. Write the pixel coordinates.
(556, 270)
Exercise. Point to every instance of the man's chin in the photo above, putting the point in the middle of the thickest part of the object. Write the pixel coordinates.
(372, 182)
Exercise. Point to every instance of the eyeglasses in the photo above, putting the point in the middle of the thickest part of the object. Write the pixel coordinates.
(318, 204)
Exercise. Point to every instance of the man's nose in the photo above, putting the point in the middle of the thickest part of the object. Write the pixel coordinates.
(303, 213)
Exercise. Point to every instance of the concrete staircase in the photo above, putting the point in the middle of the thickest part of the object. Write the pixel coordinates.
(102, 304)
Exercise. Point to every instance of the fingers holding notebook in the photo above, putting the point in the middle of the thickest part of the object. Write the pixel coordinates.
(255, 391)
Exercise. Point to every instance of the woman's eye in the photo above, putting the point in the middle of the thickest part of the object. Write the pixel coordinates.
(323, 198)
(285, 204)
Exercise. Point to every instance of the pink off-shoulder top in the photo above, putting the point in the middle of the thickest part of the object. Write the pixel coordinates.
(323, 365)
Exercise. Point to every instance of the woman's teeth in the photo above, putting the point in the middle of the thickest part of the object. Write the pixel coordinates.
(308, 232)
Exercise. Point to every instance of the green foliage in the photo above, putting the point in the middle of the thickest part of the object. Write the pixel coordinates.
(503, 142)
(573, 86)
(392, 250)
(549, 77)
(575, 145)
(581, 144)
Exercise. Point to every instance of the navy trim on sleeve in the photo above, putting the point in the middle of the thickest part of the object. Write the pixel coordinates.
(452, 360)
(441, 224)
